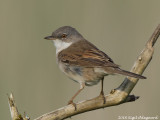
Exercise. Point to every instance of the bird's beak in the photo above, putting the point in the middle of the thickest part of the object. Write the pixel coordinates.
(50, 38)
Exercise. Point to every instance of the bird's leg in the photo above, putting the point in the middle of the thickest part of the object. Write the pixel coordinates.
(71, 100)
(102, 92)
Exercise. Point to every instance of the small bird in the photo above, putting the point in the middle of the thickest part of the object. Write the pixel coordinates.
(82, 61)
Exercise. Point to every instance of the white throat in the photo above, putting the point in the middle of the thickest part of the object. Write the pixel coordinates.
(60, 45)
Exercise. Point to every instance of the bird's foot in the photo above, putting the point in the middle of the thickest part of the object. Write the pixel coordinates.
(71, 102)
(102, 95)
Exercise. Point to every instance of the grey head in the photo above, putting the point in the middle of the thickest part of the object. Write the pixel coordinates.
(66, 34)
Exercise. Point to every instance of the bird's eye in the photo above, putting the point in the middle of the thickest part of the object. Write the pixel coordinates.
(64, 35)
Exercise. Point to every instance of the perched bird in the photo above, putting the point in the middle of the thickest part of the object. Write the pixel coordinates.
(82, 61)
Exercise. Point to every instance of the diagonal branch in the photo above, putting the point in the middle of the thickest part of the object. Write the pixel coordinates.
(117, 96)
(141, 63)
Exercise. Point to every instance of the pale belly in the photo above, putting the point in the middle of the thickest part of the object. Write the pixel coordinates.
(89, 76)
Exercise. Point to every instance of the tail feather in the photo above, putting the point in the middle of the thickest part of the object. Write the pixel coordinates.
(127, 73)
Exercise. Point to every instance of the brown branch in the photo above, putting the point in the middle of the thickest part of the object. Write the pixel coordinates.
(117, 96)
(141, 63)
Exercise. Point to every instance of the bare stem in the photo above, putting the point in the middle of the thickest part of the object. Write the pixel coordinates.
(13, 109)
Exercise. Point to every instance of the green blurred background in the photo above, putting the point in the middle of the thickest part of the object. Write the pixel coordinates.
(28, 65)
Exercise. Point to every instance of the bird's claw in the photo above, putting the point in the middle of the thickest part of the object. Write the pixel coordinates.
(103, 96)
(71, 102)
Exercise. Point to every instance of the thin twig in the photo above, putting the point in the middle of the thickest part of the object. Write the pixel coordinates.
(13, 109)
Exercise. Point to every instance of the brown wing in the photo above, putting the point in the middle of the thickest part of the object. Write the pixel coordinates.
(85, 54)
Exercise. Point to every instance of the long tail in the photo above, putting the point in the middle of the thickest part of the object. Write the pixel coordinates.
(127, 73)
